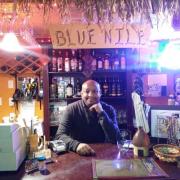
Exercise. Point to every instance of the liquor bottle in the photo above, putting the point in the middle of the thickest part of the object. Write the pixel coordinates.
(118, 87)
(113, 86)
(94, 63)
(54, 61)
(80, 61)
(116, 61)
(67, 62)
(78, 88)
(61, 88)
(105, 87)
(74, 62)
(99, 63)
(69, 89)
(41, 92)
(123, 60)
(106, 62)
(60, 63)
(53, 88)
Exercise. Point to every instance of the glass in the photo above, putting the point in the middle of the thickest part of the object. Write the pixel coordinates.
(123, 143)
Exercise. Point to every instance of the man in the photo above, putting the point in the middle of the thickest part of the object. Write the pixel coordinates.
(88, 121)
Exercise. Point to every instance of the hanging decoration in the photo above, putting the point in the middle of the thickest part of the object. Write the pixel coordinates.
(98, 11)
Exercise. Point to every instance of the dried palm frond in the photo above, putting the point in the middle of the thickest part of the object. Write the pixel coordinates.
(97, 11)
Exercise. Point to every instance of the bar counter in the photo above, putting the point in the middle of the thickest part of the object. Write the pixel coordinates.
(71, 166)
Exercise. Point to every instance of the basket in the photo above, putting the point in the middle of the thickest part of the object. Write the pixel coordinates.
(167, 152)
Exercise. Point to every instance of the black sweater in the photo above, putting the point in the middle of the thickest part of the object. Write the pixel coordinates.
(79, 125)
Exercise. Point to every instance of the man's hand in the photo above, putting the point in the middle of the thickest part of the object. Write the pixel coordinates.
(85, 150)
(97, 107)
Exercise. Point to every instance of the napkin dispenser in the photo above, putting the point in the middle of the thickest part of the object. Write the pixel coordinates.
(13, 139)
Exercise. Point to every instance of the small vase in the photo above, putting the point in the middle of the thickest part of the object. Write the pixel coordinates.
(141, 143)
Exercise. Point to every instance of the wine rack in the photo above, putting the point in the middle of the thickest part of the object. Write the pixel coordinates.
(18, 63)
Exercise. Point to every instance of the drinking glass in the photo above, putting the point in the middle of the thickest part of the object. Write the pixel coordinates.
(123, 143)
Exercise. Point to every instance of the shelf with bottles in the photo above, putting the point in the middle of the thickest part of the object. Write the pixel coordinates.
(65, 88)
(29, 87)
(87, 61)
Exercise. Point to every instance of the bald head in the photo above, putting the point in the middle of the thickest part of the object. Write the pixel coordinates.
(91, 92)
(90, 83)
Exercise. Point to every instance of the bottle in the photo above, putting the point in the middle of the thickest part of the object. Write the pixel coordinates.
(80, 61)
(113, 86)
(53, 89)
(94, 63)
(78, 88)
(41, 92)
(99, 63)
(73, 62)
(123, 60)
(60, 64)
(105, 87)
(67, 62)
(54, 61)
(118, 87)
(116, 62)
(171, 99)
(34, 88)
(69, 90)
(61, 88)
(106, 62)
(28, 91)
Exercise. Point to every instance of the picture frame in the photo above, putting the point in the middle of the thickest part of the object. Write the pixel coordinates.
(165, 122)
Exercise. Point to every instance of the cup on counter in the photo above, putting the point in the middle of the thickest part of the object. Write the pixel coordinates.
(122, 143)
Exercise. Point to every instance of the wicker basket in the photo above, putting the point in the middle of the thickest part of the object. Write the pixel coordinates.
(167, 152)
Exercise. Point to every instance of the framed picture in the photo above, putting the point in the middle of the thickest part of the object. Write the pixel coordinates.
(165, 121)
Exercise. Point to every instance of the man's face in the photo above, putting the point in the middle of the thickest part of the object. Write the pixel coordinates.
(90, 93)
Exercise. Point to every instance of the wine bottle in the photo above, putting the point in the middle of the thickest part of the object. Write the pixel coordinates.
(60, 64)
(106, 62)
(113, 93)
(118, 87)
(94, 63)
(69, 89)
(78, 88)
(67, 62)
(105, 87)
(123, 60)
(116, 61)
(99, 63)
(53, 88)
(73, 62)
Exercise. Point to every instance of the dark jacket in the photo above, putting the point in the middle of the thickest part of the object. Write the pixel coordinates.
(79, 125)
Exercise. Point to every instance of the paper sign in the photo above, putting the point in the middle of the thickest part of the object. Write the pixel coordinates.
(10, 84)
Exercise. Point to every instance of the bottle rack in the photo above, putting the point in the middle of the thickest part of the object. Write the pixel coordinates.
(18, 63)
